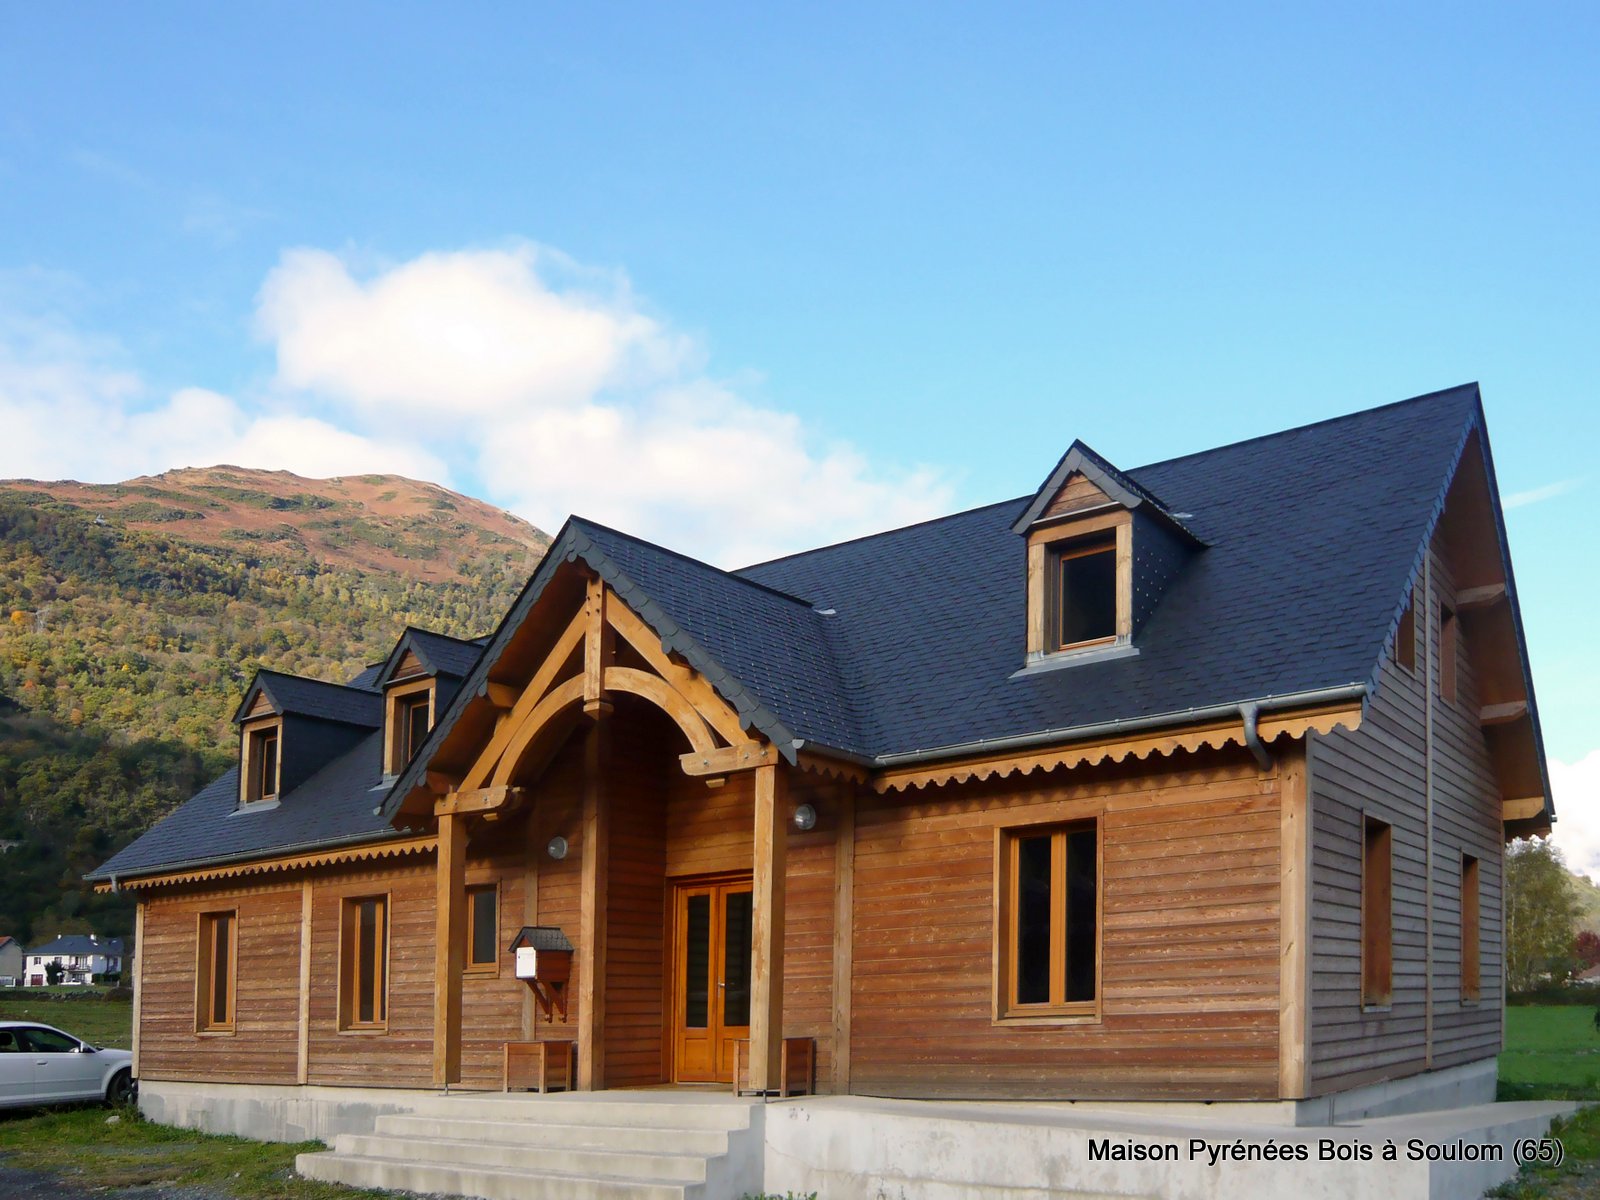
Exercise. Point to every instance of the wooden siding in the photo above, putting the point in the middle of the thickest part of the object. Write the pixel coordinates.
(1190, 937)
(1077, 494)
(1382, 770)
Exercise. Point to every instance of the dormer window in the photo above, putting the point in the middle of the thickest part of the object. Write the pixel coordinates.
(1085, 578)
(410, 717)
(261, 769)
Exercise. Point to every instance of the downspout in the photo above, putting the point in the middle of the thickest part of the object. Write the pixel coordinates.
(1250, 714)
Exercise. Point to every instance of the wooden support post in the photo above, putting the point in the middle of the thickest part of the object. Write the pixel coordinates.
(450, 883)
(766, 963)
(592, 911)
(1294, 922)
(138, 976)
(303, 1066)
(844, 875)
(533, 847)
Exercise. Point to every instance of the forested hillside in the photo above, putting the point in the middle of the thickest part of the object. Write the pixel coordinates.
(133, 616)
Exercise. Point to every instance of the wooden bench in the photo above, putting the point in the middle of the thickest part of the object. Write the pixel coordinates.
(797, 1067)
(540, 1066)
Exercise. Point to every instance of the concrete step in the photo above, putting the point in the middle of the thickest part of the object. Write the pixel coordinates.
(619, 1159)
(643, 1138)
(487, 1183)
(567, 1108)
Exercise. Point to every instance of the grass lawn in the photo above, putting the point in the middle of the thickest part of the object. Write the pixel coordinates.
(106, 1023)
(78, 1146)
(1553, 1053)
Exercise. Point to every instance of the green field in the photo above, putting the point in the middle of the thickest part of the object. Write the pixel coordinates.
(1554, 1054)
(107, 1023)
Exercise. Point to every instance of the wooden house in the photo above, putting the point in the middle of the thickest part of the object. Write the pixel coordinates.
(1183, 782)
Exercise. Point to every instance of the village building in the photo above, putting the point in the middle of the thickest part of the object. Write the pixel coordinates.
(1187, 782)
(82, 958)
(10, 961)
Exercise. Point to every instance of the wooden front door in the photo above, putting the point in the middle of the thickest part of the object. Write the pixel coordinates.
(711, 988)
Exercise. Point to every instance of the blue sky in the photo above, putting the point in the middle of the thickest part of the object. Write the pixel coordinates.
(879, 261)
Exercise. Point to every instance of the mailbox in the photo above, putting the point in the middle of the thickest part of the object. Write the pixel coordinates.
(543, 957)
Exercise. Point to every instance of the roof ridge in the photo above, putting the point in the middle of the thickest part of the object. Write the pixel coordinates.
(689, 558)
(449, 637)
(1349, 416)
(344, 687)
(867, 537)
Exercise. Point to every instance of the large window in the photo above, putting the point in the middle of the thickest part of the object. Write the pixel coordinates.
(1085, 579)
(364, 963)
(261, 764)
(1377, 914)
(1471, 962)
(483, 934)
(216, 973)
(1049, 928)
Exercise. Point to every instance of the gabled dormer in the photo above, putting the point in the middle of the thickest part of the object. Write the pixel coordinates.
(418, 679)
(290, 728)
(1101, 551)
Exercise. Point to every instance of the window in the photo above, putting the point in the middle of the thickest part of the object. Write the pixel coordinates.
(483, 931)
(1447, 654)
(261, 764)
(1405, 639)
(1049, 929)
(364, 963)
(414, 716)
(1085, 579)
(1377, 915)
(1471, 963)
(214, 978)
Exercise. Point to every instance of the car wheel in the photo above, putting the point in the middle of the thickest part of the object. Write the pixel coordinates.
(121, 1089)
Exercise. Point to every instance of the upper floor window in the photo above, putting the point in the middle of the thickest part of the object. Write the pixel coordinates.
(410, 717)
(1049, 920)
(261, 764)
(1405, 638)
(1448, 637)
(1085, 578)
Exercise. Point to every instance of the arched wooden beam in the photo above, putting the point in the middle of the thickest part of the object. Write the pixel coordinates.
(660, 693)
(558, 698)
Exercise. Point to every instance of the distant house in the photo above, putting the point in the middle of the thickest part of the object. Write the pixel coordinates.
(1185, 782)
(82, 957)
(10, 961)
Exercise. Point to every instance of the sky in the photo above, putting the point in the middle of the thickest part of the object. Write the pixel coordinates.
(750, 278)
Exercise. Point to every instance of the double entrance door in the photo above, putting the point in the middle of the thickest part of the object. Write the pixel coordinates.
(711, 978)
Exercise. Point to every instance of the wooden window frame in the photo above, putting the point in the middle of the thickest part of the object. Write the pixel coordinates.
(394, 757)
(1006, 1009)
(1405, 638)
(205, 979)
(349, 925)
(1377, 896)
(249, 737)
(1046, 547)
(475, 888)
(1449, 652)
(1471, 930)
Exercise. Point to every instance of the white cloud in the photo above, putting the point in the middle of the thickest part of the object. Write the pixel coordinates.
(554, 385)
(1548, 492)
(1575, 788)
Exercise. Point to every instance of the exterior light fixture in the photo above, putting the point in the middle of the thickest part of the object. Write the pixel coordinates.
(805, 817)
(557, 847)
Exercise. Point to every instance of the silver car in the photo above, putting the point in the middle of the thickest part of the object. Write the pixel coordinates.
(41, 1065)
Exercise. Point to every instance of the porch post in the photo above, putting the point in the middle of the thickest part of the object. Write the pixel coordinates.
(766, 961)
(592, 910)
(450, 881)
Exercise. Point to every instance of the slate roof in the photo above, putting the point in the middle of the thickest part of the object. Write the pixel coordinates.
(439, 654)
(314, 698)
(908, 644)
(78, 943)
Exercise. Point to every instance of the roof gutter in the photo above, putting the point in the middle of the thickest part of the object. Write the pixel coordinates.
(1249, 711)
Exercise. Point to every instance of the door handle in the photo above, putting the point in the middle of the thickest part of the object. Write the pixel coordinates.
(720, 984)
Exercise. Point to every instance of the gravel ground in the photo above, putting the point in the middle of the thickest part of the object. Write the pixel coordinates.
(33, 1185)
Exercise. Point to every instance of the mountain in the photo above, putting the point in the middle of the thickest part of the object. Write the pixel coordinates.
(133, 615)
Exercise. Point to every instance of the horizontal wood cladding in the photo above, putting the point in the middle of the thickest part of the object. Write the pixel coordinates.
(264, 1047)
(1381, 771)
(1190, 937)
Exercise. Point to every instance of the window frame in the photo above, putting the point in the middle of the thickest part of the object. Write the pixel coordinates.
(398, 697)
(205, 977)
(476, 888)
(252, 787)
(1471, 929)
(348, 981)
(1047, 546)
(1377, 893)
(1006, 1009)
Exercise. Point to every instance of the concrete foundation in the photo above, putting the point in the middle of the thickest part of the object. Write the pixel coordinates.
(860, 1148)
